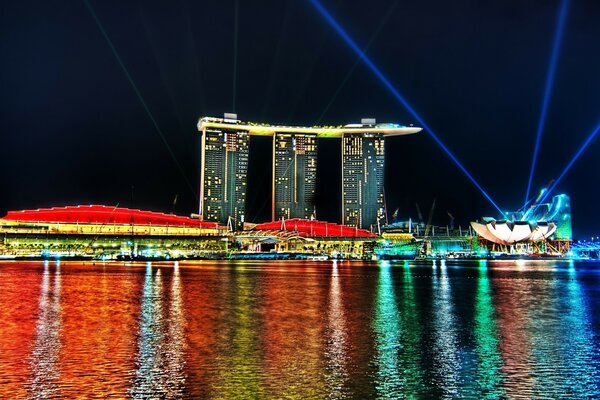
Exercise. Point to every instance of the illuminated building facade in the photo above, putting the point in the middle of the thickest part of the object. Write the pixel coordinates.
(106, 232)
(294, 175)
(225, 165)
(362, 179)
(540, 222)
(558, 211)
(223, 176)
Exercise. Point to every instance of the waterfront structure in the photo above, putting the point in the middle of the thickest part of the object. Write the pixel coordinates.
(512, 232)
(294, 169)
(106, 232)
(362, 179)
(307, 237)
(294, 175)
(541, 222)
(223, 176)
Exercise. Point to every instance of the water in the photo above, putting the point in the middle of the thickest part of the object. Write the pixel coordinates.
(289, 329)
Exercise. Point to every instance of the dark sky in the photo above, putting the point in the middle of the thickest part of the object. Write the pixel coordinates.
(74, 131)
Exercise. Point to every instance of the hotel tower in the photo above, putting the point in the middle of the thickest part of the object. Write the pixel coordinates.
(224, 168)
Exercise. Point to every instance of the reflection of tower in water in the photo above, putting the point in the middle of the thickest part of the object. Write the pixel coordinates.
(337, 341)
(386, 327)
(397, 331)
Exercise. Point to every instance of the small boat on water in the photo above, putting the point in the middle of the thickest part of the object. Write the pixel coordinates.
(317, 257)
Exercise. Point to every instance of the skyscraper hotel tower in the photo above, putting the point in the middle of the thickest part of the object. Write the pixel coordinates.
(223, 182)
(294, 175)
(362, 179)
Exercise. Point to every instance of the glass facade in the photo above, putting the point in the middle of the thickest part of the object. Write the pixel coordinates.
(294, 175)
(224, 175)
(362, 179)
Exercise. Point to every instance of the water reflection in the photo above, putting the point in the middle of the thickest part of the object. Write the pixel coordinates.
(547, 343)
(19, 309)
(446, 358)
(159, 372)
(489, 375)
(547, 363)
(239, 367)
(45, 372)
(175, 345)
(386, 326)
(578, 350)
(411, 359)
(295, 327)
(336, 348)
(148, 377)
(512, 299)
(299, 330)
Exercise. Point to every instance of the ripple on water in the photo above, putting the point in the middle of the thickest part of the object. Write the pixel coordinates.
(299, 330)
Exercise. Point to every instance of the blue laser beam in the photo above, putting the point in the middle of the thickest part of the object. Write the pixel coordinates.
(377, 72)
(357, 62)
(548, 90)
(584, 146)
(235, 51)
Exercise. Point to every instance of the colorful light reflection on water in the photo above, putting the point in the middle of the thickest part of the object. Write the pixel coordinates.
(300, 330)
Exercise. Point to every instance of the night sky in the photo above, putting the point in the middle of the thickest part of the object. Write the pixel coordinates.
(75, 132)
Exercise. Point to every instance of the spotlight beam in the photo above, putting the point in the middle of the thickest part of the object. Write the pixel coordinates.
(357, 62)
(139, 96)
(548, 90)
(377, 72)
(584, 146)
(235, 52)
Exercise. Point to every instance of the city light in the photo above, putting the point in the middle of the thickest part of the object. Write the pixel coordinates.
(548, 91)
(386, 82)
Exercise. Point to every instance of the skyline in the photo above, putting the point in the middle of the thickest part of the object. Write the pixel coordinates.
(475, 73)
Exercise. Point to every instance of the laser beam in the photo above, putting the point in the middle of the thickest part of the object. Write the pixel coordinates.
(235, 52)
(386, 82)
(139, 96)
(357, 62)
(584, 146)
(548, 90)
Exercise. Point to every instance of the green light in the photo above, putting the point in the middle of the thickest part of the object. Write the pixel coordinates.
(489, 365)
(397, 337)
(387, 335)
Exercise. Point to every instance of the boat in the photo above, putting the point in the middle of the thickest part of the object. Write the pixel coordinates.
(317, 257)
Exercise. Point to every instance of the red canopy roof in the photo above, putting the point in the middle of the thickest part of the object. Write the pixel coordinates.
(314, 228)
(97, 214)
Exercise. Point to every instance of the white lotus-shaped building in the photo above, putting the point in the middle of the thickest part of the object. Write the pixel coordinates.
(508, 232)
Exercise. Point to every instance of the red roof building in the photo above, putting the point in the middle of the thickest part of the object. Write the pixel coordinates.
(306, 227)
(98, 214)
